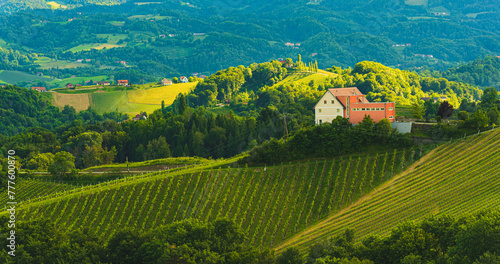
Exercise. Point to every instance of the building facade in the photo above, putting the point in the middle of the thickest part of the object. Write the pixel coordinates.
(351, 104)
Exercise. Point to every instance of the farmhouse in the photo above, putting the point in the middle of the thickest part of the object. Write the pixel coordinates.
(105, 83)
(122, 82)
(70, 86)
(352, 104)
(40, 89)
(184, 79)
(78, 85)
(166, 82)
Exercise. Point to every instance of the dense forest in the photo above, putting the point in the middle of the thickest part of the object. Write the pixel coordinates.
(169, 38)
(481, 72)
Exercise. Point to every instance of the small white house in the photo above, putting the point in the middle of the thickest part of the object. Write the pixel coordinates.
(184, 79)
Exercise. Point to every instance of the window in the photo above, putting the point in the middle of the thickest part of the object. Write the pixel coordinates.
(382, 109)
(338, 110)
(391, 117)
(333, 102)
(390, 108)
(319, 110)
(324, 101)
(378, 109)
(363, 109)
(320, 121)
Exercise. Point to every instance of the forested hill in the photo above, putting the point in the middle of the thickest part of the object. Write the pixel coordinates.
(481, 72)
(168, 38)
(21, 109)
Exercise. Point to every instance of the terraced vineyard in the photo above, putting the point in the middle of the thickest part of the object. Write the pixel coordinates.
(455, 178)
(29, 189)
(270, 204)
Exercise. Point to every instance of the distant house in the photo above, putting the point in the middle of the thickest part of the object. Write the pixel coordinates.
(78, 85)
(79, 60)
(70, 86)
(351, 104)
(202, 76)
(39, 74)
(435, 99)
(162, 36)
(40, 89)
(3, 85)
(198, 34)
(139, 117)
(105, 83)
(184, 79)
(122, 82)
(88, 60)
(166, 82)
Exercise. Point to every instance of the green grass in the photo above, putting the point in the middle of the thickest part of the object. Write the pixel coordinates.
(117, 23)
(148, 17)
(75, 80)
(61, 64)
(404, 111)
(306, 78)
(97, 46)
(201, 38)
(270, 204)
(416, 2)
(167, 161)
(12, 77)
(112, 38)
(118, 101)
(455, 178)
(3, 44)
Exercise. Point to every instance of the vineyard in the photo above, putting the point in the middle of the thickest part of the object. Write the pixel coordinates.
(271, 203)
(455, 179)
(28, 189)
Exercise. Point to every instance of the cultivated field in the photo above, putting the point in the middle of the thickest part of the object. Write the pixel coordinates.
(118, 101)
(270, 204)
(162, 93)
(307, 77)
(78, 101)
(97, 46)
(456, 178)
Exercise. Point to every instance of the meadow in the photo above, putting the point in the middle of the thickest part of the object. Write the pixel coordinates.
(154, 96)
(12, 77)
(456, 178)
(78, 101)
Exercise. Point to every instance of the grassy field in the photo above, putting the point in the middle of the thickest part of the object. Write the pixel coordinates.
(97, 46)
(61, 64)
(117, 23)
(112, 38)
(75, 80)
(55, 5)
(12, 77)
(456, 178)
(4, 44)
(154, 96)
(118, 101)
(148, 17)
(270, 204)
(78, 101)
(416, 2)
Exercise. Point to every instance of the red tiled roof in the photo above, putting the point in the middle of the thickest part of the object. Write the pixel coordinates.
(39, 88)
(345, 91)
(122, 81)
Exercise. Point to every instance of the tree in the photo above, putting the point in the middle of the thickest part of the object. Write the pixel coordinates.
(463, 115)
(289, 62)
(445, 110)
(157, 149)
(182, 104)
(431, 108)
(489, 98)
(417, 109)
(40, 161)
(290, 256)
(63, 163)
(493, 114)
(175, 80)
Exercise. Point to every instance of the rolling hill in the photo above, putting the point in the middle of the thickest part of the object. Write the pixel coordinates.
(269, 203)
(455, 178)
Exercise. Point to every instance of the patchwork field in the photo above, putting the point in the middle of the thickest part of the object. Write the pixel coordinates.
(78, 101)
(162, 93)
(112, 38)
(456, 178)
(79, 80)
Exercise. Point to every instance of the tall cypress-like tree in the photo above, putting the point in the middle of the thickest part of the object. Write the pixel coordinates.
(182, 104)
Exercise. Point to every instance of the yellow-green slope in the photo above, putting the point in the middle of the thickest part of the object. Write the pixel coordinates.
(455, 178)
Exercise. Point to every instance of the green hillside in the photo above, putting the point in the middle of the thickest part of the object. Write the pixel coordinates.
(12, 77)
(30, 189)
(455, 178)
(269, 203)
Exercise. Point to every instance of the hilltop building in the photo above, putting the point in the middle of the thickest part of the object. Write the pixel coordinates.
(166, 82)
(352, 104)
(122, 82)
(40, 89)
(184, 79)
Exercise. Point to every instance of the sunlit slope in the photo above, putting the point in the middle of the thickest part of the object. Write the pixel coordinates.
(455, 178)
(271, 203)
